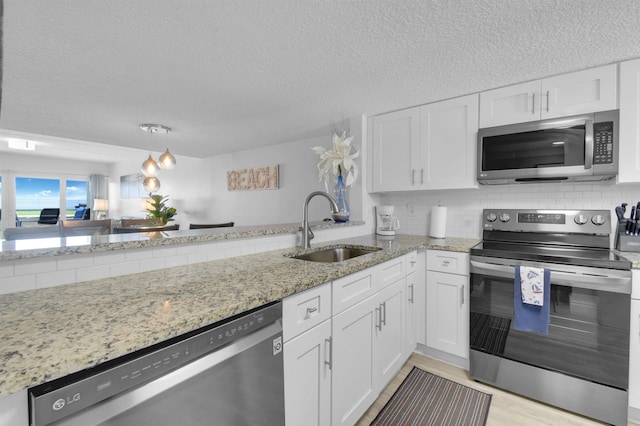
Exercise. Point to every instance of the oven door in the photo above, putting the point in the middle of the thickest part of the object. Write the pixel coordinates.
(589, 320)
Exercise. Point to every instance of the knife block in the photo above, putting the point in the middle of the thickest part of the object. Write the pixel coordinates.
(626, 242)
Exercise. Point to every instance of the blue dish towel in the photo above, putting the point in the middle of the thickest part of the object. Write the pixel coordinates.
(531, 317)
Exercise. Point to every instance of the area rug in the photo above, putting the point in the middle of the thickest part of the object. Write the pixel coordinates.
(426, 399)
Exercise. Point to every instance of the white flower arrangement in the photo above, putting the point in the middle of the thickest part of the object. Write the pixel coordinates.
(339, 161)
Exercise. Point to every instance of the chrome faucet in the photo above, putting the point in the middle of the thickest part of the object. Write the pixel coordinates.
(307, 235)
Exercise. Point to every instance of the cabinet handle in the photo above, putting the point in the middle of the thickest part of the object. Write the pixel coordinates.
(413, 176)
(384, 316)
(445, 263)
(533, 104)
(329, 343)
(379, 319)
(421, 176)
(413, 262)
(411, 293)
(462, 296)
(547, 101)
(311, 310)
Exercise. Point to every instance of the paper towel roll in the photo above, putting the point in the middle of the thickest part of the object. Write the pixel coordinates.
(438, 222)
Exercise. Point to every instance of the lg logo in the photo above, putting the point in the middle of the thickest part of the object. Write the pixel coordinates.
(60, 403)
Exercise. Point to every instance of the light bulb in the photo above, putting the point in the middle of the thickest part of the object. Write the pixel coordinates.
(151, 184)
(149, 167)
(166, 160)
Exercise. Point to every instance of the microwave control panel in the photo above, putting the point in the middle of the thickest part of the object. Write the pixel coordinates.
(603, 142)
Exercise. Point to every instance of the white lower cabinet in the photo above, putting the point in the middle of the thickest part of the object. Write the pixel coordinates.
(307, 377)
(346, 340)
(416, 301)
(306, 323)
(448, 302)
(368, 350)
(634, 348)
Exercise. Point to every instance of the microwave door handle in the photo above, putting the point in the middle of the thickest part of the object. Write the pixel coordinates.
(588, 144)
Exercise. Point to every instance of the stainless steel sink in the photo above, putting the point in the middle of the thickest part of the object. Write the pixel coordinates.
(336, 254)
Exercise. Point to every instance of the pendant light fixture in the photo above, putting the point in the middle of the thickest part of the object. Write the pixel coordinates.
(150, 167)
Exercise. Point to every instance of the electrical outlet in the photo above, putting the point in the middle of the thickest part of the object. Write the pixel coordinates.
(411, 210)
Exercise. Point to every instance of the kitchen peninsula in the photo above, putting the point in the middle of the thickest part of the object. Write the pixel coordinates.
(51, 332)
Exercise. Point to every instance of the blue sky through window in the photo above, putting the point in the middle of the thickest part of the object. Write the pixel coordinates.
(37, 193)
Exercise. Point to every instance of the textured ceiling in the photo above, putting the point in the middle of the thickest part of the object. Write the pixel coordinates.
(228, 75)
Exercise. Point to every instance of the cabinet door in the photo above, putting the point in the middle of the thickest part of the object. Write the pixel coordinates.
(353, 390)
(395, 137)
(634, 356)
(512, 104)
(629, 158)
(448, 313)
(412, 312)
(390, 332)
(591, 90)
(420, 297)
(307, 377)
(448, 144)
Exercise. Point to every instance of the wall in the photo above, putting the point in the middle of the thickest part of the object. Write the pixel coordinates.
(198, 187)
(298, 176)
(464, 207)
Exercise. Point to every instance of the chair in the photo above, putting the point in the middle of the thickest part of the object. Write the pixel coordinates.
(82, 212)
(151, 221)
(71, 228)
(150, 228)
(49, 216)
(210, 225)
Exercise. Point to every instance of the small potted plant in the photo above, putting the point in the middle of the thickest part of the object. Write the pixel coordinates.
(159, 208)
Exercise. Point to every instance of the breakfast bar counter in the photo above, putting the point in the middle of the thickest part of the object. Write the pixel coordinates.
(51, 332)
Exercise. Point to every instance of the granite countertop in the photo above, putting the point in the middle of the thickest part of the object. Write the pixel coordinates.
(42, 247)
(51, 332)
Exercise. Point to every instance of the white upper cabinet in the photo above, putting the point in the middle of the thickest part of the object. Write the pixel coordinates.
(448, 133)
(579, 92)
(427, 147)
(396, 141)
(629, 158)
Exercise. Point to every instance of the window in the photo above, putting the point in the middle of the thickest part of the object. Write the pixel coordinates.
(76, 196)
(35, 194)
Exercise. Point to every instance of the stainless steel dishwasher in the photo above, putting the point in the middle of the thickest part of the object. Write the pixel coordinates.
(230, 373)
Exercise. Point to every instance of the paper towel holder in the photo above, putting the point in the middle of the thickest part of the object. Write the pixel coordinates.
(438, 222)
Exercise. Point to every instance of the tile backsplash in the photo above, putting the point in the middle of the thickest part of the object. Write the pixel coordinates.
(464, 207)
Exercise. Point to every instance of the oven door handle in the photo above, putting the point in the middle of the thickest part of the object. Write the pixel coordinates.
(569, 279)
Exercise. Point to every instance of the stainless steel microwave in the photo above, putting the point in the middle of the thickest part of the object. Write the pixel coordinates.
(578, 148)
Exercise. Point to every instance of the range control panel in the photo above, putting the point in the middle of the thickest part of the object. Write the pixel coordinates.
(565, 221)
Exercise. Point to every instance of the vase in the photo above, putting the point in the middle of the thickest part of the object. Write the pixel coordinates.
(341, 194)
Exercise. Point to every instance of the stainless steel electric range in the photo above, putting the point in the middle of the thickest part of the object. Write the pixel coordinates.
(582, 363)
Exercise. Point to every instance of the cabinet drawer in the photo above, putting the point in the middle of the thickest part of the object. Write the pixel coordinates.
(304, 310)
(392, 270)
(448, 261)
(353, 288)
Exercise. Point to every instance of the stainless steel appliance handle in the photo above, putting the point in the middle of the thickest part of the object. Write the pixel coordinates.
(588, 144)
(589, 279)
